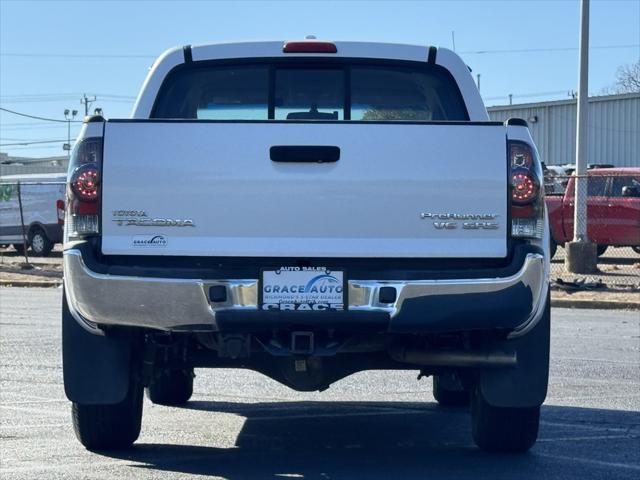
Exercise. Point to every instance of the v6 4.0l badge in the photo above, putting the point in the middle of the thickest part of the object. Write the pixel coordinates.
(468, 221)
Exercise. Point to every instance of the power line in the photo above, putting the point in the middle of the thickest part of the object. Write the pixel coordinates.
(33, 147)
(110, 101)
(73, 94)
(111, 95)
(37, 123)
(29, 143)
(550, 49)
(78, 55)
(64, 99)
(35, 98)
(12, 139)
(41, 94)
(527, 95)
(25, 147)
(38, 100)
(48, 126)
(37, 117)
(468, 52)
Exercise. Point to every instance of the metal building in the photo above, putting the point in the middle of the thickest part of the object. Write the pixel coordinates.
(27, 165)
(614, 128)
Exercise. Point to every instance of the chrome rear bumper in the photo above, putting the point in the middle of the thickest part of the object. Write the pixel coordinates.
(183, 304)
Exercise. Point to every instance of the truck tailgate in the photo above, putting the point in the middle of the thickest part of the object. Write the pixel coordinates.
(211, 189)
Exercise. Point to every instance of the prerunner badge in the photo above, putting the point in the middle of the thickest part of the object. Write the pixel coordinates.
(302, 288)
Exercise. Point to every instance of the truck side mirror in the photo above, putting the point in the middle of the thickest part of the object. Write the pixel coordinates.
(629, 191)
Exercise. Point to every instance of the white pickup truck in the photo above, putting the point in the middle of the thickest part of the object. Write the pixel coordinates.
(306, 210)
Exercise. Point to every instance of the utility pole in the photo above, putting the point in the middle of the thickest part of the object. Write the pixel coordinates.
(581, 253)
(69, 115)
(478, 77)
(86, 101)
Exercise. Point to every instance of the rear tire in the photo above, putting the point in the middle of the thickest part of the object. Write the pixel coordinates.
(107, 427)
(40, 243)
(171, 388)
(498, 429)
(447, 397)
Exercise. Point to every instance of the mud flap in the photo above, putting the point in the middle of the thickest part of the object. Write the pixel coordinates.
(96, 368)
(524, 385)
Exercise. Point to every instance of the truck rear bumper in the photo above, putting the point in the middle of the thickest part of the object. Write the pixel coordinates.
(513, 303)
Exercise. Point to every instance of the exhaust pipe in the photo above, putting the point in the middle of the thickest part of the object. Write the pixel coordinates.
(455, 358)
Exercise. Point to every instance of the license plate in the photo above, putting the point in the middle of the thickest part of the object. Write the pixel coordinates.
(302, 288)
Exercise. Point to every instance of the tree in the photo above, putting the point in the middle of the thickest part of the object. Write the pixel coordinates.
(628, 78)
(390, 114)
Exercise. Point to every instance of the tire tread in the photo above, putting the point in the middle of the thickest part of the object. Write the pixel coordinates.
(507, 430)
(103, 427)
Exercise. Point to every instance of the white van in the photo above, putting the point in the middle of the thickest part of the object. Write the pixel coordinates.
(42, 211)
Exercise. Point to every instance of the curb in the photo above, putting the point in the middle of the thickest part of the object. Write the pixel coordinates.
(594, 304)
(555, 302)
(24, 283)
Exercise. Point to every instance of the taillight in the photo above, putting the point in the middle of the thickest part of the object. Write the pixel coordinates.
(307, 46)
(83, 188)
(84, 182)
(525, 188)
(527, 202)
(60, 210)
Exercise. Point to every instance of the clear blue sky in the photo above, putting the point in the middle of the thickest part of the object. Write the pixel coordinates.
(53, 51)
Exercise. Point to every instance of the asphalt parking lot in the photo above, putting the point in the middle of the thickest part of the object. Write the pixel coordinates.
(240, 425)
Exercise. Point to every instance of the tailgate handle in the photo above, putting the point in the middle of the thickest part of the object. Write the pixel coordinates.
(304, 153)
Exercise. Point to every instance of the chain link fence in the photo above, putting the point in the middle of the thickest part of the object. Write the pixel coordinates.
(613, 223)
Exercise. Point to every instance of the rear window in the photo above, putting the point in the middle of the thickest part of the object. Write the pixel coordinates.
(309, 94)
(332, 91)
(386, 94)
(222, 93)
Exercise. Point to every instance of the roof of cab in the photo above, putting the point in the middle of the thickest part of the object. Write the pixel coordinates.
(615, 171)
(344, 49)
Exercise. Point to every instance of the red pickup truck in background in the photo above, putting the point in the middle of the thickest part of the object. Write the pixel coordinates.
(613, 210)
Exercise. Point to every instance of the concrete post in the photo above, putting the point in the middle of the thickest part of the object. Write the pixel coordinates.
(581, 253)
